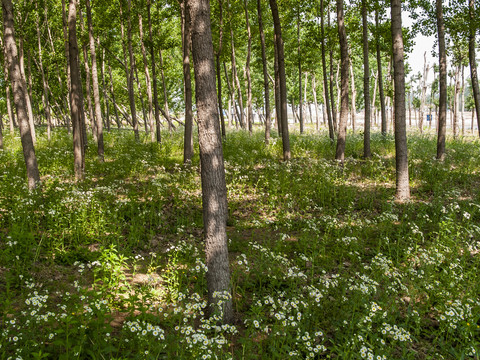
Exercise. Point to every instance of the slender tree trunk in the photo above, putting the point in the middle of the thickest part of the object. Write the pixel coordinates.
(131, 93)
(401, 156)
(366, 84)
(147, 80)
(332, 98)
(265, 73)
(282, 78)
(473, 61)
(19, 95)
(315, 103)
(10, 113)
(67, 56)
(236, 82)
(140, 95)
(325, 75)
(117, 118)
(300, 96)
(214, 190)
(187, 84)
(154, 76)
(28, 99)
(165, 97)
(426, 68)
(278, 111)
(96, 91)
(462, 106)
(218, 67)
(380, 79)
(354, 98)
(247, 70)
(104, 89)
(76, 100)
(46, 104)
(442, 55)
(342, 124)
(456, 101)
(374, 98)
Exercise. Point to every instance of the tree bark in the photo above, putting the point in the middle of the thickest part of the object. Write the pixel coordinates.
(147, 80)
(325, 75)
(366, 84)
(383, 110)
(154, 78)
(214, 190)
(104, 90)
(426, 68)
(236, 81)
(119, 124)
(96, 91)
(401, 156)
(278, 112)
(473, 61)
(10, 113)
(342, 124)
(27, 95)
(19, 95)
(67, 56)
(165, 97)
(315, 102)
(88, 91)
(219, 74)
(354, 98)
(442, 60)
(46, 104)
(187, 84)
(247, 71)
(265, 73)
(131, 93)
(332, 98)
(282, 79)
(300, 95)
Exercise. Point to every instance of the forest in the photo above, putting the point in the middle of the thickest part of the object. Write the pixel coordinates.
(239, 179)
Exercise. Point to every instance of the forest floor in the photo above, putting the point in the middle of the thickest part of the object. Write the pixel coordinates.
(324, 263)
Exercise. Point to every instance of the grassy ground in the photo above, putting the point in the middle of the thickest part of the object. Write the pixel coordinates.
(325, 264)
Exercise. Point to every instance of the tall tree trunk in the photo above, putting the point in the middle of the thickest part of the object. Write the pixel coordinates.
(300, 96)
(247, 71)
(456, 101)
(342, 124)
(140, 95)
(88, 92)
(462, 101)
(46, 104)
(219, 74)
(96, 91)
(27, 95)
(154, 77)
(315, 103)
(383, 110)
(366, 84)
(117, 118)
(164, 87)
(104, 90)
(401, 156)
(131, 93)
(265, 73)
(10, 113)
(278, 111)
(187, 84)
(354, 98)
(332, 98)
(67, 56)
(19, 95)
(214, 190)
(442, 104)
(147, 80)
(374, 98)
(426, 68)
(325, 75)
(282, 78)
(76, 101)
(236, 81)
(473, 61)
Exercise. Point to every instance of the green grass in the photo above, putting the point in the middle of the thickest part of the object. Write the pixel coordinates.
(324, 262)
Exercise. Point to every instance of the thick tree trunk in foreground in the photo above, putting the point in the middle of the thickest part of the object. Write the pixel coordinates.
(342, 124)
(442, 104)
(19, 95)
(76, 101)
(282, 79)
(473, 61)
(214, 190)
(366, 84)
(96, 91)
(401, 157)
(265, 73)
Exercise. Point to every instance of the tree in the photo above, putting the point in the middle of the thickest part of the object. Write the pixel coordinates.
(76, 101)
(383, 111)
(442, 105)
(472, 60)
(282, 80)
(19, 95)
(265, 73)
(325, 76)
(344, 67)
(96, 91)
(366, 83)
(401, 156)
(214, 189)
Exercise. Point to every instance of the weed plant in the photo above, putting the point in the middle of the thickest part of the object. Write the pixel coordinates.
(324, 262)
